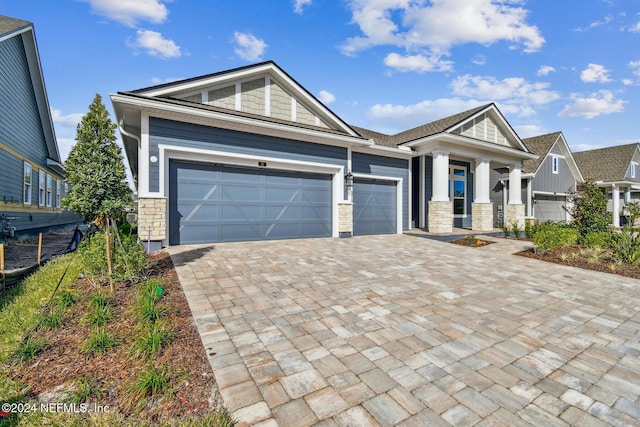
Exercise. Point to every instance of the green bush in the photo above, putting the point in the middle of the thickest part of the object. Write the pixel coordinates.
(589, 210)
(596, 239)
(550, 237)
(625, 245)
(129, 259)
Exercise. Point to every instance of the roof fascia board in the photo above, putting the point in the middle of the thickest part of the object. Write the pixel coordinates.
(14, 33)
(173, 112)
(243, 74)
(504, 123)
(459, 140)
(382, 150)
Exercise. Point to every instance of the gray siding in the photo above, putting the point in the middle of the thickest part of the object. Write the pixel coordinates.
(547, 181)
(386, 166)
(636, 159)
(204, 137)
(20, 127)
(21, 132)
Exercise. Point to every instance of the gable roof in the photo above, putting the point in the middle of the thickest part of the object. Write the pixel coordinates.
(12, 27)
(428, 129)
(606, 164)
(539, 145)
(167, 90)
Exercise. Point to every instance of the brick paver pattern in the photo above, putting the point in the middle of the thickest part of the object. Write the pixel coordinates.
(401, 330)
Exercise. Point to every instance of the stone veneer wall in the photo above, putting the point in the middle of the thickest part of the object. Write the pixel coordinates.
(515, 213)
(152, 212)
(345, 218)
(440, 217)
(482, 216)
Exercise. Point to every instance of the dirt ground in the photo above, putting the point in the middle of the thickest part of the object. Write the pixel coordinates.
(63, 362)
(23, 252)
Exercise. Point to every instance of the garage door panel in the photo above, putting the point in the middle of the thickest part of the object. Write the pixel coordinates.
(549, 208)
(216, 203)
(374, 206)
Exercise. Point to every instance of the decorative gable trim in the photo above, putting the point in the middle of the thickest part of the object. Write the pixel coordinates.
(562, 145)
(303, 103)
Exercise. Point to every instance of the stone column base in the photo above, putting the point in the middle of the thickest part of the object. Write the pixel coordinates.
(482, 216)
(440, 217)
(515, 214)
(152, 216)
(345, 219)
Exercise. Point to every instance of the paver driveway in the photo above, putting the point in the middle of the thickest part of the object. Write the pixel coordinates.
(400, 330)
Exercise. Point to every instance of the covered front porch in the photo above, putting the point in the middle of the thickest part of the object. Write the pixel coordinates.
(619, 194)
(453, 183)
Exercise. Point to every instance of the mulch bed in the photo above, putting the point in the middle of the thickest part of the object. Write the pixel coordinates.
(63, 361)
(572, 257)
(476, 243)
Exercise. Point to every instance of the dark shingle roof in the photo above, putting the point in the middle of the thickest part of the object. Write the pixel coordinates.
(8, 24)
(606, 164)
(539, 145)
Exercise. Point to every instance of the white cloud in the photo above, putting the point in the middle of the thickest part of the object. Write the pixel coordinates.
(606, 20)
(161, 80)
(402, 117)
(438, 25)
(249, 47)
(64, 147)
(479, 60)
(545, 70)
(299, 4)
(512, 90)
(419, 63)
(635, 28)
(593, 105)
(326, 97)
(156, 45)
(129, 12)
(527, 131)
(69, 120)
(595, 73)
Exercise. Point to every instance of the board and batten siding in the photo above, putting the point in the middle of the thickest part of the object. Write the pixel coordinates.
(548, 182)
(180, 134)
(370, 164)
(484, 128)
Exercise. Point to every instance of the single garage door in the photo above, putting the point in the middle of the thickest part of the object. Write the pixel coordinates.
(550, 208)
(218, 203)
(375, 206)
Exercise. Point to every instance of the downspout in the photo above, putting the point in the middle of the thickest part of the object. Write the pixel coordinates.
(125, 133)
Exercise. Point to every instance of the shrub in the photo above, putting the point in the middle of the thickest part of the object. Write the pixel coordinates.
(51, 320)
(596, 239)
(149, 382)
(129, 258)
(99, 316)
(28, 349)
(148, 311)
(100, 341)
(554, 236)
(66, 299)
(85, 388)
(150, 341)
(589, 209)
(515, 228)
(625, 245)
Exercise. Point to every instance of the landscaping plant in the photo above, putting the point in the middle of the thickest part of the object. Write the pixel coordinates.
(625, 245)
(550, 237)
(589, 209)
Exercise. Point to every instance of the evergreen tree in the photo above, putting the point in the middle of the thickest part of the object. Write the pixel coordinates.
(95, 170)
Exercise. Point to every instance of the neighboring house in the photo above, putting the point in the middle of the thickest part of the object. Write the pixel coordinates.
(615, 169)
(32, 178)
(250, 154)
(550, 179)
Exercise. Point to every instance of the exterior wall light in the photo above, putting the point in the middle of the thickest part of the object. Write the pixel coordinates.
(348, 180)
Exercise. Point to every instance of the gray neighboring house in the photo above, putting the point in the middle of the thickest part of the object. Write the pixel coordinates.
(551, 178)
(615, 169)
(250, 154)
(32, 178)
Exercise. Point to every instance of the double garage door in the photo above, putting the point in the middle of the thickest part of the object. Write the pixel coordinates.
(211, 203)
(217, 203)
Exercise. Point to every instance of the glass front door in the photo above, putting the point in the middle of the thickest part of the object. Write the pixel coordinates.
(458, 190)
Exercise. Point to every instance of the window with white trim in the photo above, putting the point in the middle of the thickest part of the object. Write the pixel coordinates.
(633, 169)
(49, 191)
(28, 176)
(58, 193)
(41, 188)
(554, 164)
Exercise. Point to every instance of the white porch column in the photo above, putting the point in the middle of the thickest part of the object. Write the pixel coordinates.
(482, 208)
(440, 177)
(515, 184)
(515, 208)
(529, 199)
(616, 205)
(440, 215)
(627, 195)
(421, 195)
(481, 181)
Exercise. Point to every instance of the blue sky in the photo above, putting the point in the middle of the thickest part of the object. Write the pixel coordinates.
(386, 65)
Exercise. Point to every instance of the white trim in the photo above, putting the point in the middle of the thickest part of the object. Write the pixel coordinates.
(555, 164)
(143, 155)
(267, 95)
(399, 212)
(409, 192)
(294, 110)
(349, 197)
(27, 195)
(421, 194)
(170, 152)
(238, 96)
(549, 193)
